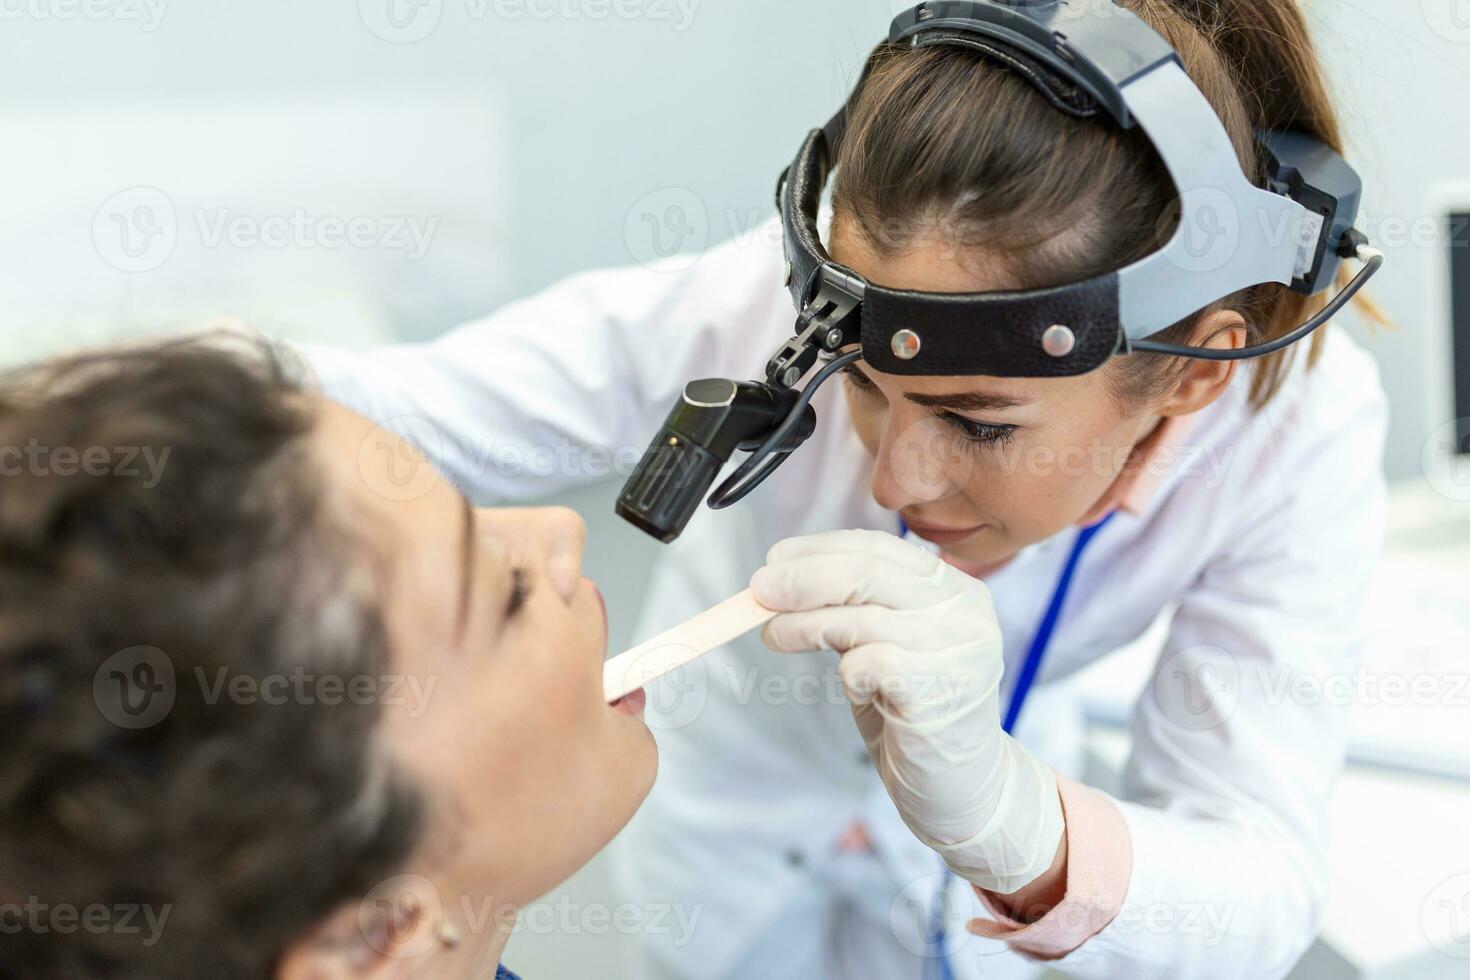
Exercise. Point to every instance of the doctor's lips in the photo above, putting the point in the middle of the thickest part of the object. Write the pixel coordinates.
(937, 534)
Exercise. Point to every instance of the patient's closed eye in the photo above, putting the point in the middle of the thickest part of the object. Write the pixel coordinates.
(520, 591)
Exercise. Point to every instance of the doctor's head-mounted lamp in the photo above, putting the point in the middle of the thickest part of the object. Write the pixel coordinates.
(1088, 58)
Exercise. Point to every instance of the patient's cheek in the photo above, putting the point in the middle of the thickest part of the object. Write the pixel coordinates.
(553, 698)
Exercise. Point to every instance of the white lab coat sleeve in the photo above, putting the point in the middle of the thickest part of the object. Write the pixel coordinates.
(570, 385)
(1240, 737)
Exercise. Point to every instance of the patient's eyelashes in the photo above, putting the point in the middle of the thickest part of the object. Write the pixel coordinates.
(520, 591)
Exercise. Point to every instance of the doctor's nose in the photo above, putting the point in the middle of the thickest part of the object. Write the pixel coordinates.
(553, 537)
(919, 461)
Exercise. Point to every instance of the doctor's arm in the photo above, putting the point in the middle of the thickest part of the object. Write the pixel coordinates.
(567, 386)
(1213, 866)
(1237, 742)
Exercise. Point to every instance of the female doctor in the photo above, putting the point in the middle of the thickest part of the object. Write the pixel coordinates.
(1247, 500)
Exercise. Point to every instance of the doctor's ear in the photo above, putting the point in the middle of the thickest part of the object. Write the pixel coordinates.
(1198, 383)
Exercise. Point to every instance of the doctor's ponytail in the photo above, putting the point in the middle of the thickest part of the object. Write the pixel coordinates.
(942, 141)
(1267, 46)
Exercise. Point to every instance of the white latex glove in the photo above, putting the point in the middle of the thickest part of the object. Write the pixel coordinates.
(921, 665)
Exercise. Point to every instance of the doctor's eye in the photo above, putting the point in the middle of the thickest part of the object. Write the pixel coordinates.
(858, 379)
(978, 433)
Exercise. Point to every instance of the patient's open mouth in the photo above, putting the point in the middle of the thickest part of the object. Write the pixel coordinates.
(632, 703)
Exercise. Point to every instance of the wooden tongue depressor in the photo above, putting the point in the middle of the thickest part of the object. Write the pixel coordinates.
(672, 649)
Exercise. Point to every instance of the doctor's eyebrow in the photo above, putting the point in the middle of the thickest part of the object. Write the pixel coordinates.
(964, 401)
(968, 401)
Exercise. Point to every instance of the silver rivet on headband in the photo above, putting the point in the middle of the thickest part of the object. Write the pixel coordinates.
(1058, 340)
(905, 345)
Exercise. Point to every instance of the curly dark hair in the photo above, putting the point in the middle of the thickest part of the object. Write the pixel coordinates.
(240, 823)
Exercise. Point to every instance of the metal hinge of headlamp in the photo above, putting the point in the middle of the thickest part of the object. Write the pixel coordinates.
(830, 321)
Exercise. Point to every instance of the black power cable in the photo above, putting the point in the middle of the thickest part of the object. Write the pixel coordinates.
(732, 491)
(1372, 260)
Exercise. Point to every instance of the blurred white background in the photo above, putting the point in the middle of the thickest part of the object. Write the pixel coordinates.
(366, 170)
(530, 138)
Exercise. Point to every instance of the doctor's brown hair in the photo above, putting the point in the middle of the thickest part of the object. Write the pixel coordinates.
(942, 140)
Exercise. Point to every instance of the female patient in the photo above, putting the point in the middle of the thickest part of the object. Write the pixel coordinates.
(290, 709)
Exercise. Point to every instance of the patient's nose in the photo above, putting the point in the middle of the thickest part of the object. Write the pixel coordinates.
(556, 538)
(551, 537)
(563, 535)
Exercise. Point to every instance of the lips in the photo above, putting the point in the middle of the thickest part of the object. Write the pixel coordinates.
(628, 704)
(631, 704)
(944, 535)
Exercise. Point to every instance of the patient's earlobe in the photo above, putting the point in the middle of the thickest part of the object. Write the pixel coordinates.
(333, 950)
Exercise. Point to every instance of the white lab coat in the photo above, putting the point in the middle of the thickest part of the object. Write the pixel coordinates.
(1263, 538)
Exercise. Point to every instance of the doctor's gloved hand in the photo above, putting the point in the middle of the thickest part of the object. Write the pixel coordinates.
(921, 665)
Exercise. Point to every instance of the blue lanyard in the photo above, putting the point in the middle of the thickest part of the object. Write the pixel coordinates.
(1024, 680)
(1042, 639)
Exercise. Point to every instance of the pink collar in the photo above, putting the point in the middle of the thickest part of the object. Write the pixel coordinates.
(1151, 460)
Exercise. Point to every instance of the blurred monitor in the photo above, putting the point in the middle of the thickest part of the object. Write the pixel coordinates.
(1459, 299)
